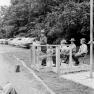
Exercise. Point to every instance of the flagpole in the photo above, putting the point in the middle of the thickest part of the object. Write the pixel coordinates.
(91, 38)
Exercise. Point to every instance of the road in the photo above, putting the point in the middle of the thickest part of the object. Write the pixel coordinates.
(24, 82)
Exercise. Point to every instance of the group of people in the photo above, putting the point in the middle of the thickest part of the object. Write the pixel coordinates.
(64, 49)
(83, 49)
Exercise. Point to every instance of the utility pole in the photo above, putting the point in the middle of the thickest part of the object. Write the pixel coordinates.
(91, 38)
(29, 11)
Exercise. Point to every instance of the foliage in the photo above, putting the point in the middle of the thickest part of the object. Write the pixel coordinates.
(59, 18)
(73, 20)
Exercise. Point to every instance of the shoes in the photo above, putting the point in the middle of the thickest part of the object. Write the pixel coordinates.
(43, 64)
(53, 65)
(76, 64)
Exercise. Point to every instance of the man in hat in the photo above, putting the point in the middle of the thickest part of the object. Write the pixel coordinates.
(73, 46)
(63, 46)
(82, 51)
(43, 41)
(64, 51)
(43, 38)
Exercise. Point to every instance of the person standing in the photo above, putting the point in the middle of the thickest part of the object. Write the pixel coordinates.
(43, 41)
(82, 51)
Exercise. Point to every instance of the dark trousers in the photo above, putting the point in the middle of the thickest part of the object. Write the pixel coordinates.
(65, 58)
(44, 49)
(76, 58)
(54, 59)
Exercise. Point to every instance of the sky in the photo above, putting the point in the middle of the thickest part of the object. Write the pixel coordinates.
(4, 2)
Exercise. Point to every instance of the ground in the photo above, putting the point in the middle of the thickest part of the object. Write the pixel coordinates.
(23, 81)
(26, 79)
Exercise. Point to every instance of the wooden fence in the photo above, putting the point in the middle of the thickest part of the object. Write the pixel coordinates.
(37, 55)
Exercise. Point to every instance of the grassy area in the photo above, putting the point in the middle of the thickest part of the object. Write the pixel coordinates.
(60, 86)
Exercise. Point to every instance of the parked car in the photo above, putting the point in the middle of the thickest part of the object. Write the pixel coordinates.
(26, 42)
(13, 41)
(2, 41)
(21, 42)
(8, 40)
(18, 41)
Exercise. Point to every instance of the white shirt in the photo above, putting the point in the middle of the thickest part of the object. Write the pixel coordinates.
(83, 49)
(64, 48)
(73, 47)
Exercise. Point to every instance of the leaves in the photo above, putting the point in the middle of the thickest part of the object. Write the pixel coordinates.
(59, 18)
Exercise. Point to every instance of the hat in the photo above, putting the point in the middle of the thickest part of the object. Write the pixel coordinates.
(72, 39)
(83, 39)
(63, 41)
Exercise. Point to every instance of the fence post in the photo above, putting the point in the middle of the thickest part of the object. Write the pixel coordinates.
(58, 59)
(70, 56)
(33, 55)
(91, 38)
(37, 57)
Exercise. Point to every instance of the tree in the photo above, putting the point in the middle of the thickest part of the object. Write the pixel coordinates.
(59, 18)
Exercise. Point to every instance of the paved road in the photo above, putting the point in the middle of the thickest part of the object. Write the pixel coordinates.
(24, 82)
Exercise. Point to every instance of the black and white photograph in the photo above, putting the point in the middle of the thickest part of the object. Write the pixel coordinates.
(46, 47)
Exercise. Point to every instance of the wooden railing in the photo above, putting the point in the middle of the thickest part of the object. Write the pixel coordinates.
(36, 55)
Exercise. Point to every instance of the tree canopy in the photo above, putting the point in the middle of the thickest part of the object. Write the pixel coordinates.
(59, 18)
